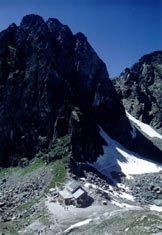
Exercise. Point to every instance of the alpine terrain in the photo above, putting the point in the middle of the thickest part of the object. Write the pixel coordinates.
(64, 122)
(140, 89)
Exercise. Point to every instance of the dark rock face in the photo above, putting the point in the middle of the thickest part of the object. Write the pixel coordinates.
(52, 83)
(140, 89)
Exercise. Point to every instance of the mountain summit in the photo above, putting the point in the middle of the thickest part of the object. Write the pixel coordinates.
(52, 85)
(140, 89)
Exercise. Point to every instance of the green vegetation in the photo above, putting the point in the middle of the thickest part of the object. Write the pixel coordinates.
(61, 147)
(57, 157)
(6, 171)
(140, 225)
(44, 217)
(58, 169)
(33, 166)
(130, 222)
(29, 204)
(8, 228)
(60, 151)
(12, 48)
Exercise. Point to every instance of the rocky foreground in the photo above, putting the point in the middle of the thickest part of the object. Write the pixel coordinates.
(146, 188)
(23, 204)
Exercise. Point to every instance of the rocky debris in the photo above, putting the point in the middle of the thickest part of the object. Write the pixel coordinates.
(18, 198)
(146, 188)
(23, 162)
(140, 89)
(86, 172)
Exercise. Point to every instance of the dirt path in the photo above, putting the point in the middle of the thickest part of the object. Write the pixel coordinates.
(71, 214)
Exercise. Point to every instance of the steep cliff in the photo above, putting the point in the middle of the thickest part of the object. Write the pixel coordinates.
(140, 89)
(53, 84)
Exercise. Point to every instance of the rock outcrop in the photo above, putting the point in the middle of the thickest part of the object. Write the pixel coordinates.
(140, 89)
(53, 84)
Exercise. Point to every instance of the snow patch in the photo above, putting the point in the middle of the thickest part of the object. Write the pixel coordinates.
(112, 192)
(88, 185)
(77, 225)
(126, 196)
(121, 205)
(144, 127)
(155, 208)
(118, 158)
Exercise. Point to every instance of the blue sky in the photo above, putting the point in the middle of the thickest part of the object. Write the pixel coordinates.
(120, 31)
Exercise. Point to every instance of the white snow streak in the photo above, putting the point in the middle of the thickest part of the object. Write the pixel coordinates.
(77, 225)
(155, 208)
(126, 196)
(112, 191)
(144, 127)
(118, 158)
(121, 205)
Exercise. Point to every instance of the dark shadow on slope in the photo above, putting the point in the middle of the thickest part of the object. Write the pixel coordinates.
(142, 149)
(145, 147)
(82, 169)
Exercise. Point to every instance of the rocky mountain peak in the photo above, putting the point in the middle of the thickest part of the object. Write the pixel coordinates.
(31, 20)
(59, 32)
(139, 88)
(152, 58)
(81, 37)
(55, 26)
(53, 84)
(12, 26)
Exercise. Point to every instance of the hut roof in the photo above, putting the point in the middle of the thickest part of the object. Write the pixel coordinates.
(73, 186)
(78, 193)
(65, 194)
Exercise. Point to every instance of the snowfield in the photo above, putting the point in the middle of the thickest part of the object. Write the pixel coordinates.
(118, 158)
(148, 130)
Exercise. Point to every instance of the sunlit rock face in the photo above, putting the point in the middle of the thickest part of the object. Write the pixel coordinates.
(140, 89)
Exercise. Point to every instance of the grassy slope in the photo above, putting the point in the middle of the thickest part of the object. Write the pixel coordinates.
(57, 168)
